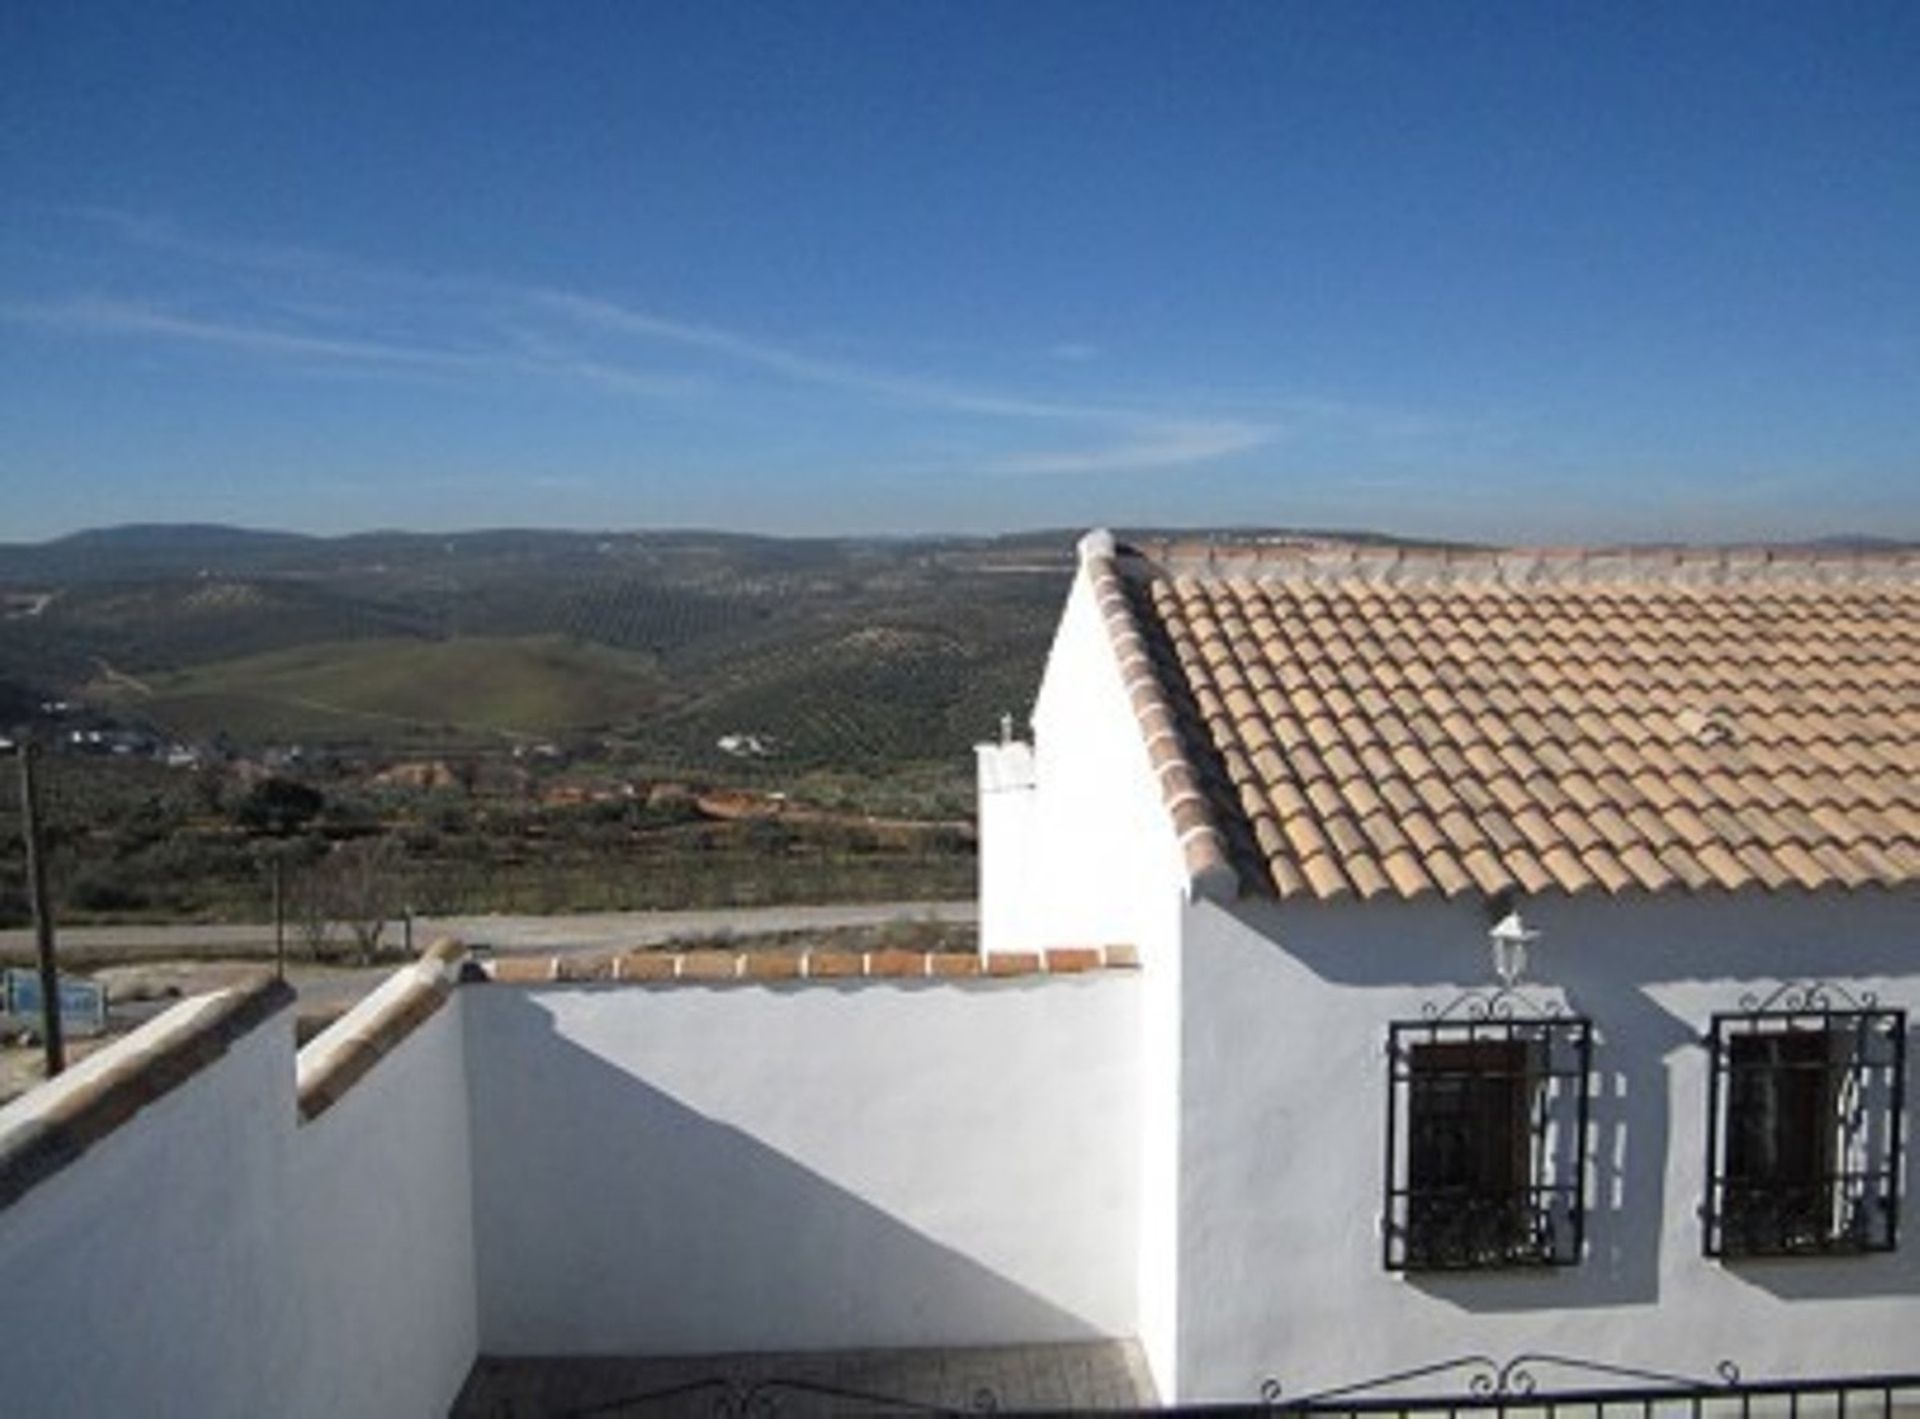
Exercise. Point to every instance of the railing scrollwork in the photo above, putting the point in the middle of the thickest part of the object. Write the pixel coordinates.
(1500, 1003)
(766, 1398)
(1481, 1377)
(1808, 998)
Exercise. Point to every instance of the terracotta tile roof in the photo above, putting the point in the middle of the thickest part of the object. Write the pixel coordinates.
(1330, 722)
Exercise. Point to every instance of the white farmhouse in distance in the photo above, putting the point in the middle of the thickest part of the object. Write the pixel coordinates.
(1487, 970)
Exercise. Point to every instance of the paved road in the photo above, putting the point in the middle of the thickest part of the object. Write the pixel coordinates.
(587, 931)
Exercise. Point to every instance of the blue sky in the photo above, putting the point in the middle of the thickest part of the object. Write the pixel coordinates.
(1537, 272)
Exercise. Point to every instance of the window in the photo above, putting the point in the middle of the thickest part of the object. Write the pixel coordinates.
(1803, 1145)
(1486, 1144)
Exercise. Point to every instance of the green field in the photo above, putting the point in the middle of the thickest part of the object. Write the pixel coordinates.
(471, 687)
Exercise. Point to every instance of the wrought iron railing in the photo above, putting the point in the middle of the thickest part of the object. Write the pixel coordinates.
(727, 1398)
(1595, 1389)
(1534, 1385)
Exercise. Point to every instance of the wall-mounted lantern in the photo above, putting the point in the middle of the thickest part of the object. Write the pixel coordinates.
(1509, 937)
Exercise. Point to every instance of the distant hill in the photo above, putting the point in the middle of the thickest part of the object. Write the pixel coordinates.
(1859, 542)
(858, 653)
(144, 549)
(174, 537)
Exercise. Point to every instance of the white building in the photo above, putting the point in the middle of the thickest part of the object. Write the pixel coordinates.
(1239, 1074)
(1306, 782)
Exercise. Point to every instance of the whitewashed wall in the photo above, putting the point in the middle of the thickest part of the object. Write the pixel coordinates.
(1104, 865)
(1283, 1071)
(691, 1170)
(156, 1269)
(1010, 874)
(1105, 859)
(214, 1257)
(386, 1235)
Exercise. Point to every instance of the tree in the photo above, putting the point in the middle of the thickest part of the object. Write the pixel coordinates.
(280, 806)
(466, 772)
(210, 787)
(306, 907)
(358, 887)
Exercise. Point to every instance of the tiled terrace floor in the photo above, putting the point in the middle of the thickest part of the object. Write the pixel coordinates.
(1007, 1379)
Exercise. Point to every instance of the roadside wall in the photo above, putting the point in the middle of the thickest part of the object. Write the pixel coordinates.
(689, 1169)
(1283, 1150)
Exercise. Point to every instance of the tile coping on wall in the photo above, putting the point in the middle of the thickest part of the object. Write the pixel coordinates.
(1203, 844)
(52, 1125)
(336, 1058)
(767, 967)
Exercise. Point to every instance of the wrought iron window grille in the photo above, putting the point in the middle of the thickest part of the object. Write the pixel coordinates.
(1806, 1105)
(1486, 1135)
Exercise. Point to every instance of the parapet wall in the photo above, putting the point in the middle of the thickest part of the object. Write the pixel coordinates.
(677, 1154)
(886, 1159)
(182, 1232)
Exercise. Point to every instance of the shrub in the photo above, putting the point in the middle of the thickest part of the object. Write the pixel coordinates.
(281, 806)
(95, 891)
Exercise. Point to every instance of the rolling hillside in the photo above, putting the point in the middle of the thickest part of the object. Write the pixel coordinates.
(865, 655)
(860, 655)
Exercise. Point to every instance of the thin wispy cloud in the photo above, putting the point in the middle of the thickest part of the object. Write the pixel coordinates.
(675, 388)
(157, 233)
(1166, 446)
(780, 360)
(508, 301)
(300, 304)
(97, 316)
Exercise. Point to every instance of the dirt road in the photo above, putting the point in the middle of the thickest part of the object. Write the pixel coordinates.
(85, 945)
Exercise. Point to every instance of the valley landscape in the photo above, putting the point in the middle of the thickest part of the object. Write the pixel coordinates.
(521, 721)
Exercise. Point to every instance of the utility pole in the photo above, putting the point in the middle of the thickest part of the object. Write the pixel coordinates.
(279, 917)
(50, 1024)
